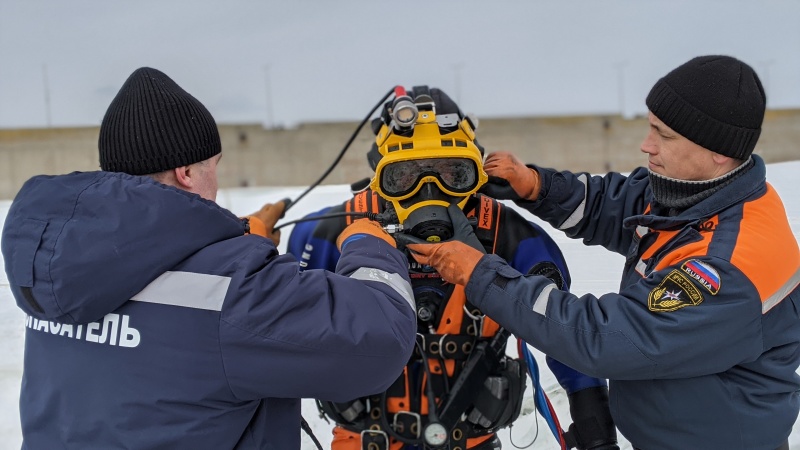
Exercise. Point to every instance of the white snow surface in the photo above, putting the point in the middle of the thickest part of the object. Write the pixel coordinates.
(593, 269)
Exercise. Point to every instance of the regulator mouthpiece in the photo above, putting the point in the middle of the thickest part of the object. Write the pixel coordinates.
(431, 223)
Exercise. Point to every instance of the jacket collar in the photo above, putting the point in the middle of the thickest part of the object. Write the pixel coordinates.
(749, 183)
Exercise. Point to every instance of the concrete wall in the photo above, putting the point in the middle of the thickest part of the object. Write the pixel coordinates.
(253, 156)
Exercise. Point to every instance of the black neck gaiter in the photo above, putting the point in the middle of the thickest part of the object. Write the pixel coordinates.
(679, 195)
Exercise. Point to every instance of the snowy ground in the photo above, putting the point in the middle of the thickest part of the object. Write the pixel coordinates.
(593, 270)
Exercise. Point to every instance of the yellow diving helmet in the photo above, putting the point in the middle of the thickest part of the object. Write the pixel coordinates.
(429, 160)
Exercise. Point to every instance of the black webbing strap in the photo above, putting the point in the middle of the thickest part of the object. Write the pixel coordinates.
(373, 437)
(304, 425)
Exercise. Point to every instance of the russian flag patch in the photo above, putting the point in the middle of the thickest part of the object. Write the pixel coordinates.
(703, 273)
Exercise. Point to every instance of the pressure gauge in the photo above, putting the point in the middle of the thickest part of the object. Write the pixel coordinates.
(435, 434)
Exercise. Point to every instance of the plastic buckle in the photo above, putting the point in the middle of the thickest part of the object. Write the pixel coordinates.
(370, 446)
(417, 422)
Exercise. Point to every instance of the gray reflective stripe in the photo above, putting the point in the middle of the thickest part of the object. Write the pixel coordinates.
(576, 215)
(540, 305)
(641, 268)
(785, 290)
(393, 280)
(641, 231)
(186, 289)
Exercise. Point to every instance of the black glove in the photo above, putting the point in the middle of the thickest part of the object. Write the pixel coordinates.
(592, 426)
(462, 231)
(500, 189)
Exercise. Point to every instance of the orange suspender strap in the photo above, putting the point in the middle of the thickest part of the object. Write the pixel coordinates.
(374, 202)
(488, 215)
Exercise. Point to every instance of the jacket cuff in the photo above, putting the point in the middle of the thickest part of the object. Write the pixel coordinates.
(491, 269)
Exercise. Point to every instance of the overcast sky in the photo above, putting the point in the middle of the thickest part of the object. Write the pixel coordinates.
(282, 62)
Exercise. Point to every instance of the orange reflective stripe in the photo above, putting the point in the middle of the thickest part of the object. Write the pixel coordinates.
(766, 250)
(695, 249)
(348, 207)
(662, 238)
(699, 248)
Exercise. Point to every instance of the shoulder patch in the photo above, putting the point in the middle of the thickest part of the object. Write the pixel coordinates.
(703, 273)
(675, 292)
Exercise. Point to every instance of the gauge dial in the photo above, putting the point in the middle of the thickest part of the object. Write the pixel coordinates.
(435, 434)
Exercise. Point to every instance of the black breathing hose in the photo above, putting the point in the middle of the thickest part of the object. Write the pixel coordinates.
(341, 154)
(368, 215)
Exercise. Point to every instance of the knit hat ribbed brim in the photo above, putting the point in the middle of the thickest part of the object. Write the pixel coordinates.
(716, 102)
(153, 125)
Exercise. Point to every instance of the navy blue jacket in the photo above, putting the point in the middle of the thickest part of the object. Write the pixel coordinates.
(702, 342)
(155, 323)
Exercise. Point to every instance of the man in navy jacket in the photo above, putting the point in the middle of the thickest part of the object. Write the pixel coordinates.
(701, 343)
(158, 320)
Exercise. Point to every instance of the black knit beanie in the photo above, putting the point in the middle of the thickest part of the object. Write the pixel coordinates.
(153, 125)
(716, 102)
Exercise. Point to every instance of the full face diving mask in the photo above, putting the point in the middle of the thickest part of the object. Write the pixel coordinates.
(428, 163)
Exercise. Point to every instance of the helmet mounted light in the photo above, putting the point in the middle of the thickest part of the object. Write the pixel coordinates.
(404, 112)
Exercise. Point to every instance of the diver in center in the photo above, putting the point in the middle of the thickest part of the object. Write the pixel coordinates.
(459, 387)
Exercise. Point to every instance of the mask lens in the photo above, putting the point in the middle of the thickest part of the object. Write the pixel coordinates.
(456, 174)
(399, 178)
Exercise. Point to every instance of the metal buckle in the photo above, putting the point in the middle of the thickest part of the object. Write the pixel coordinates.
(421, 345)
(380, 433)
(415, 416)
(441, 345)
(477, 321)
